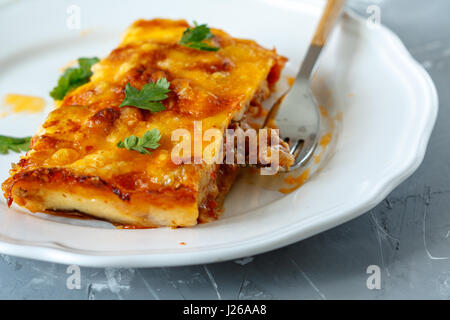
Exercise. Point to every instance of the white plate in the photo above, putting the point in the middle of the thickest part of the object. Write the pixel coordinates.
(387, 102)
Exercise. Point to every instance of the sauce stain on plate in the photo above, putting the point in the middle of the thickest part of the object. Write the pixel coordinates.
(19, 103)
(323, 111)
(297, 182)
(325, 140)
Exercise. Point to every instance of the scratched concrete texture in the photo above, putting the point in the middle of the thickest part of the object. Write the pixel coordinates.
(407, 235)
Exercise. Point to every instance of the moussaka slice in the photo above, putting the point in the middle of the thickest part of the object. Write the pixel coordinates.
(107, 150)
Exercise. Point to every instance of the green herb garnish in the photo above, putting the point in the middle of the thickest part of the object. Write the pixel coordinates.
(148, 97)
(193, 38)
(149, 140)
(14, 144)
(74, 77)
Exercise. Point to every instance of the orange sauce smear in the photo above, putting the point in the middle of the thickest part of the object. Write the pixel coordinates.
(323, 111)
(317, 158)
(20, 103)
(296, 181)
(290, 81)
(325, 140)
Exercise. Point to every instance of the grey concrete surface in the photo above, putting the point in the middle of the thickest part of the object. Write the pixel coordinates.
(407, 235)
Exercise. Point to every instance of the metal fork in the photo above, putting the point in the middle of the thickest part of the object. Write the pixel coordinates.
(296, 113)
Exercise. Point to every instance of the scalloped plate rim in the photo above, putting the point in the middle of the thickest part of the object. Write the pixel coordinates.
(59, 253)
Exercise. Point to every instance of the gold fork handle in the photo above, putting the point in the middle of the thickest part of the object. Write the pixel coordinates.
(327, 21)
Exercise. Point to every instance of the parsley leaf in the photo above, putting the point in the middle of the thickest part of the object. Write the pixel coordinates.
(14, 144)
(148, 97)
(74, 77)
(149, 140)
(193, 38)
